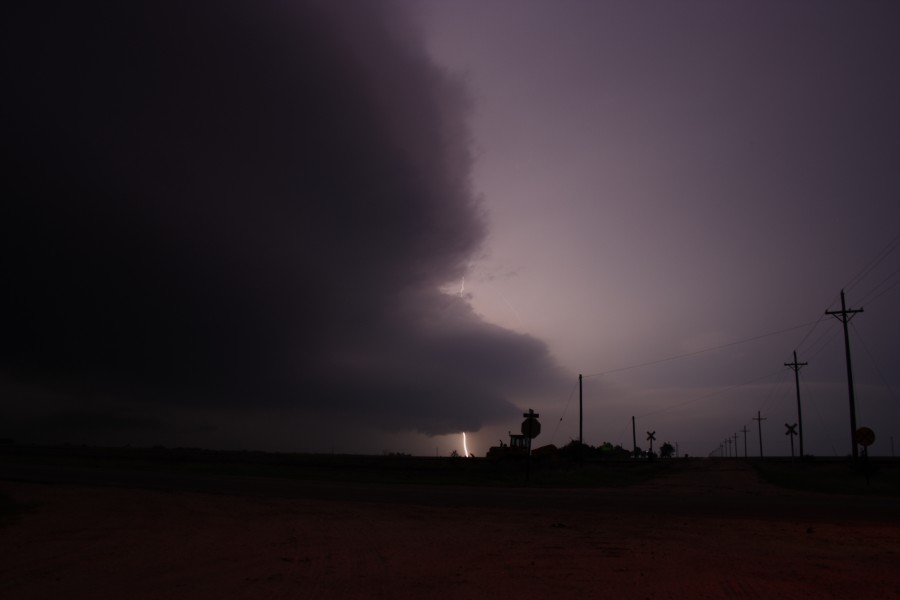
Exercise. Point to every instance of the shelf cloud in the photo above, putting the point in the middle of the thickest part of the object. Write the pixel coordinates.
(246, 206)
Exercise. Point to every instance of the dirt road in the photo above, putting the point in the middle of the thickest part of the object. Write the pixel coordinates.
(705, 530)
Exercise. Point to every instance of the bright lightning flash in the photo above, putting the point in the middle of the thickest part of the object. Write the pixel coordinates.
(465, 449)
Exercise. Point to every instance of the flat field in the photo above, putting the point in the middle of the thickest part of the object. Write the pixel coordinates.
(684, 529)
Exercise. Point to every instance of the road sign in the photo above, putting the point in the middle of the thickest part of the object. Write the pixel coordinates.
(865, 436)
(791, 431)
(531, 428)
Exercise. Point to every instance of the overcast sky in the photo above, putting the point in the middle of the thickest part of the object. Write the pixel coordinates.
(367, 227)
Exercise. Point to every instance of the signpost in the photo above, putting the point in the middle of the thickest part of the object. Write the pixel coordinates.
(651, 436)
(791, 431)
(531, 428)
(865, 437)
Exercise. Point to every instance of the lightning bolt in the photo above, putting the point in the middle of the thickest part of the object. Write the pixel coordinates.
(465, 448)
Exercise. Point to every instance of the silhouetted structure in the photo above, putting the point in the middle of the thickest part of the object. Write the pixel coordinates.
(796, 366)
(791, 431)
(580, 415)
(759, 419)
(634, 437)
(844, 315)
(745, 431)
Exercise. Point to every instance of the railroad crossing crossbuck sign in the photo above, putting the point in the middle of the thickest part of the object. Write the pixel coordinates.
(651, 437)
(791, 431)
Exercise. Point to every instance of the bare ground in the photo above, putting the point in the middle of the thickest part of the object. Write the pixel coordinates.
(705, 530)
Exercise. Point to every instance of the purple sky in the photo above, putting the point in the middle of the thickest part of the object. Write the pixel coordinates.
(662, 178)
(249, 226)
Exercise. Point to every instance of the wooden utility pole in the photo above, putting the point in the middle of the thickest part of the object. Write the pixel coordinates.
(745, 430)
(633, 438)
(844, 315)
(580, 422)
(580, 413)
(759, 419)
(795, 366)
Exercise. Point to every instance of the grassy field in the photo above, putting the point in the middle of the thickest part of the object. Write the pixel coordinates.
(878, 477)
(874, 477)
(355, 468)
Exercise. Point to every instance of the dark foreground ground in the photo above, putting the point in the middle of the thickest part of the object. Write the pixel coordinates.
(694, 529)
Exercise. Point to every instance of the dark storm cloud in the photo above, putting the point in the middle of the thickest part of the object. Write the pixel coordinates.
(245, 204)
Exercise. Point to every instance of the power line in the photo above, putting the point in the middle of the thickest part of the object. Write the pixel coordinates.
(870, 266)
(857, 279)
(708, 395)
(759, 419)
(813, 401)
(869, 297)
(844, 315)
(568, 402)
(883, 292)
(795, 367)
(816, 347)
(885, 285)
(696, 352)
(875, 364)
(781, 380)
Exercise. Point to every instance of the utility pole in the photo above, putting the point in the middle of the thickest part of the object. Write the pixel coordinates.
(844, 315)
(735, 446)
(759, 419)
(580, 417)
(795, 366)
(633, 438)
(745, 430)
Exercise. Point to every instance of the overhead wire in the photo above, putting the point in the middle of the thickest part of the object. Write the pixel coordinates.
(812, 350)
(861, 339)
(870, 266)
(868, 297)
(816, 347)
(705, 396)
(780, 381)
(808, 391)
(568, 402)
(696, 352)
(809, 333)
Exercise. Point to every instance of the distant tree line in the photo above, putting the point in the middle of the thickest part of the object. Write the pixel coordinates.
(608, 451)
